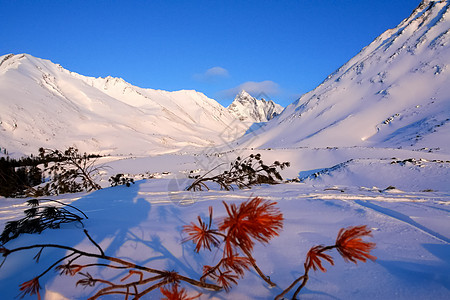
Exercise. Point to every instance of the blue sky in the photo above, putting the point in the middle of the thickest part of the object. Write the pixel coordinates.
(280, 48)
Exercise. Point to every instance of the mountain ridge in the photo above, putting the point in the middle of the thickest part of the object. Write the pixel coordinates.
(47, 105)
(393, 93)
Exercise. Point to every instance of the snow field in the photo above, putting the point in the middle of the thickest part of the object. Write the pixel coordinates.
(143, 224)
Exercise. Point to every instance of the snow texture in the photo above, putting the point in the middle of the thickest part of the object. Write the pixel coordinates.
(369, 146)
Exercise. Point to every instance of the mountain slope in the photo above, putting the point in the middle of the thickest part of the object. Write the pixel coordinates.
(249, 109)
(42, 104)
(394, 93)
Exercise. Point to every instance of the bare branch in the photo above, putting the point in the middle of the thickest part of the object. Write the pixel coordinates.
(93, 242)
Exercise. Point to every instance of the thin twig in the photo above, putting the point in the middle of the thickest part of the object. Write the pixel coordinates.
(54, 265)
(280, 296)
(116, 260)
(93, 242)
(255, 266)
(110, 289)
(68, 206)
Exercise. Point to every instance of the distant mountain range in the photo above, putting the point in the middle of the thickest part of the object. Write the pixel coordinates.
(44, 105)
(394, 93)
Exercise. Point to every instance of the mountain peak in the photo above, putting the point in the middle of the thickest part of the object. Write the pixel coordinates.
(244, 94)
(247, 108)
(9, 60)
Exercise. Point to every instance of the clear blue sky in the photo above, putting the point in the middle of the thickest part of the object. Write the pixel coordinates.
(282, 48)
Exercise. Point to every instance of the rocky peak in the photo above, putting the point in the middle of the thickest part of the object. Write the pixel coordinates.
(247, 108)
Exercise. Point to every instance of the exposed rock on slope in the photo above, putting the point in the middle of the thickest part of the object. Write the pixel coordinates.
(249, 109)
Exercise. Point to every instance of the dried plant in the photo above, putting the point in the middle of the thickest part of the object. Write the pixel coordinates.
(40, 217)
(314, 256)
(70, 172)
(253, 220)
(120, 179)
(149, 279)
(349, 244)
(30, 287)
(235, 235)
(242, 173)
(176, 294)
(202, 235)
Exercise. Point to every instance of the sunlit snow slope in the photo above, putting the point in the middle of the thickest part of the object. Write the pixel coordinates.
(42, 104)
(394, 93)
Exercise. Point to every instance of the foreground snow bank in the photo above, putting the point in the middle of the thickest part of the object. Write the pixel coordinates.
(143, 224)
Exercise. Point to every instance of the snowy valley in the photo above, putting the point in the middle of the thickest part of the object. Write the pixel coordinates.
(369, 146)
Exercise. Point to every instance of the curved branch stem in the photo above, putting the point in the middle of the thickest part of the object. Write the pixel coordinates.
(93, 242)
(280, 296)
(255, 266)
(123, 263)
(68, 206)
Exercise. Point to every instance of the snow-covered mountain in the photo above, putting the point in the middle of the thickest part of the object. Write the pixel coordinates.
(249, 109)
(42, 104)
(394, 93)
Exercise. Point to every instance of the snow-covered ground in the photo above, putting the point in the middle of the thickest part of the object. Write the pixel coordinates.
(143, 223)
(370, 146)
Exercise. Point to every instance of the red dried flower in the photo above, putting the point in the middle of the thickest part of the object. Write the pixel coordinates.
(170, 277)
(226, 279)
(175, 294)
(254, 219)
(30, 287)
(350, 245)
(314, 256)
(237, 263)
(207, 271)
(203, 236)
